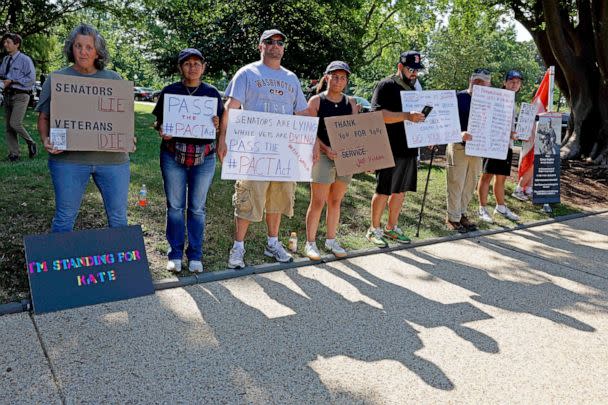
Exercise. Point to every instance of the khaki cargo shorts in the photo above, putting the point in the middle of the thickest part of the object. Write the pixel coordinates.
(252, 198)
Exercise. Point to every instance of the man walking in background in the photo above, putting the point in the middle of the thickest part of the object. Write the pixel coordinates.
(17, 75)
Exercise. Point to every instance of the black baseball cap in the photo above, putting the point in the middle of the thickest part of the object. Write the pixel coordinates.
(188, 52)
(411, 59)
(337, 65)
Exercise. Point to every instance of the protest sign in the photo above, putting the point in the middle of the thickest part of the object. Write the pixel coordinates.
(547, 163)
(97, 114)
(525, 121)
(265, 146)
(189, 116)
(490, 122)
(73, 269)
(441, 126)
(361, 142)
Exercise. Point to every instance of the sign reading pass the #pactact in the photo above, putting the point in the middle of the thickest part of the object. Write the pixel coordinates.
(490, 122)
(361, 142)
(189, 116)
(442, 126)
(265, 146)
(96, 114)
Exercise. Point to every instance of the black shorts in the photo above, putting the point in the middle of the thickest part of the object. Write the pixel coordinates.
(500, 167)
(403, 177)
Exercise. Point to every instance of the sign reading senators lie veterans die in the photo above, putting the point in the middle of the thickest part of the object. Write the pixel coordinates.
(361, 142)
(90, 114)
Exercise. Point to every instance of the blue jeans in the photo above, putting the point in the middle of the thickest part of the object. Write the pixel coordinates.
(70, 182)
(196, 180)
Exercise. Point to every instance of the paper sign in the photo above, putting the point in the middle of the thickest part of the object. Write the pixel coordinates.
(547, 164)
(490, 122)
(361, 142)
(73, 269)
(58, 138)
(265, 146)
(525, 121)
(189, 116)
(97, 114)
(442, 125)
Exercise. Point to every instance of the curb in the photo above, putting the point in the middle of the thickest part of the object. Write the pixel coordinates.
(164, 284)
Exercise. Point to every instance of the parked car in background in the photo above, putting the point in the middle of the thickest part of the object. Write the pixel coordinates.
(143, 93)
(366, 106)
(155, 95)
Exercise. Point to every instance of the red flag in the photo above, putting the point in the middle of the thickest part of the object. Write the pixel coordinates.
(541, 100)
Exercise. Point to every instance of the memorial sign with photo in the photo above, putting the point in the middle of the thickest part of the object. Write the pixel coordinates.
(96, 114)
(189, 116)
(547, 164)
(360, 141)
(490, 122)
(265, 146)
(74, 269)
(441, 126)
(525, 121)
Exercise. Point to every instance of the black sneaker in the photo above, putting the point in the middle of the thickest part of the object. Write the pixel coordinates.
(13, 158)
(32, 149)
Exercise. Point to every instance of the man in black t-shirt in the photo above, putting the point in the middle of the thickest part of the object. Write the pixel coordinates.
(392, 183)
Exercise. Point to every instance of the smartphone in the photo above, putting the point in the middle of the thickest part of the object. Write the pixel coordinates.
(427, 110)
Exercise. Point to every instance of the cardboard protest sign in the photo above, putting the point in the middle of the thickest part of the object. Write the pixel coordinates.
(547, 164)
(189, 116)
(442, 125)
(490, 122)
(525, 121)
(361, 142)
(265, 146)
(96, 114)
(73, 269)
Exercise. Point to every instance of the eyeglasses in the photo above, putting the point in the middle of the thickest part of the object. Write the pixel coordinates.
(270, 41)
(483, 71)
(412, 70)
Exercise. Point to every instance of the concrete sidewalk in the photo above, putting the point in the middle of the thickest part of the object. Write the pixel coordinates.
(516, 317)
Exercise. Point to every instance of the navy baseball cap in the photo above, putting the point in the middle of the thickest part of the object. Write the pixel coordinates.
(188, 52)
(337, 65)
(411, 59)
(514, 74)
(268, 33)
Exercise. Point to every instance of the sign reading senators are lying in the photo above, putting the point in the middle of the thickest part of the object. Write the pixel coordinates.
(92, 114)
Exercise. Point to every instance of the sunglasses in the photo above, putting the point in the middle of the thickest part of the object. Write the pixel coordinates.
(483, 71)
(412, 70)
(269, 41)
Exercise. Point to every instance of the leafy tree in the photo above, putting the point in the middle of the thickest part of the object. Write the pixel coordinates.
(572, 35)
(476, 36)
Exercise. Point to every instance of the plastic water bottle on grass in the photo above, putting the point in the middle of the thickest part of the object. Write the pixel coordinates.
(143, 196)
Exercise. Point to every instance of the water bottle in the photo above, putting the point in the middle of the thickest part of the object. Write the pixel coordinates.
(143, 196)
(293, 242)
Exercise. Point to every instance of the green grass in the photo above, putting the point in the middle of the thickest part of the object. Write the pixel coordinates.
(27, 206)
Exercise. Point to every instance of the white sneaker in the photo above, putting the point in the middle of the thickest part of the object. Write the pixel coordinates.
(278, 252)
(195, 266)
(335, 248)
(529, 191)
(507, 214)
(520, 195)
(312, 251)
(235, 260)
(484, 215)
(174, 265)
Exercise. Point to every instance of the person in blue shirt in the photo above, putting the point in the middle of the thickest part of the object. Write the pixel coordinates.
(17, 78)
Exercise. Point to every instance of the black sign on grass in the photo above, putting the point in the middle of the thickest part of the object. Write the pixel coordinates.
(68, 270)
